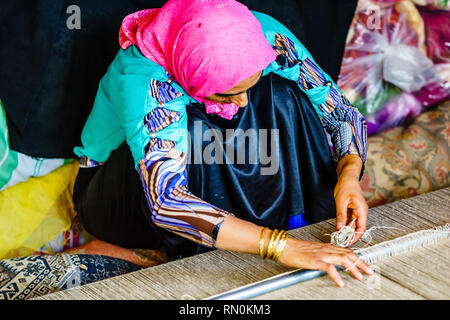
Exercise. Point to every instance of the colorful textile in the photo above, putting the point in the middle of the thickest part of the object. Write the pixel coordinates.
(128, 108)
(35, 212)
(73, 238)
(34, 276)
(174, 207)
(195, 42)
(409, 160)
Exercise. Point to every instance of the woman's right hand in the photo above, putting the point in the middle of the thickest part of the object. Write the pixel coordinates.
(320, 256)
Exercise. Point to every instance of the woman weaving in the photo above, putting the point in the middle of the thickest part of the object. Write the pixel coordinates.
(195, 66)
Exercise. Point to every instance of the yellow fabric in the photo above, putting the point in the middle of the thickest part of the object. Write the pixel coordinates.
(35, 212)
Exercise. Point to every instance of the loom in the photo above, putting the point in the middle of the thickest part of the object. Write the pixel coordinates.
(423, 273)
(370, 255)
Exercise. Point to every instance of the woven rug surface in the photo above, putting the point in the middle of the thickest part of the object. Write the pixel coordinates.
(420, 274)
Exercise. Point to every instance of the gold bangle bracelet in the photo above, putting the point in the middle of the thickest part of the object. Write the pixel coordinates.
(277, 243)
(273, 243)
(280, 247)
(262, 253)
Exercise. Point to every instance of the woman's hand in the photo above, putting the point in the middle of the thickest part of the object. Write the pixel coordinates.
(350, 202)
(324, 257)
(242, 236)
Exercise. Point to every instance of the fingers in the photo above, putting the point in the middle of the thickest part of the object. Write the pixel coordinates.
(365, 267)
(353, 269)
(325, 257)
(353, 264)
(341, 215)
(361, 222)
(333, 273)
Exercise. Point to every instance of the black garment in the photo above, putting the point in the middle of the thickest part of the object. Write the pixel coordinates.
(50, 74)
(305, 180)
(111, 202)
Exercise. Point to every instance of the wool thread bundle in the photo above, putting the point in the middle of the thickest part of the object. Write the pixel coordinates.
(346, 236)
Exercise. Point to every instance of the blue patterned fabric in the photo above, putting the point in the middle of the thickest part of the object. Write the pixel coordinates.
(160, 119)
(344, 122)
(163, 91)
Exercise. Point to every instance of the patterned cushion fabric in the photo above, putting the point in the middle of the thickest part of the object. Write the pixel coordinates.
(409, 160)
(35, 276)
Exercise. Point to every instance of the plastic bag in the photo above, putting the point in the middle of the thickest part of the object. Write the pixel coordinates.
(437, 25)
(383, 52)
(438, 90)
(400, 109)
(397, 111)
(407, 67)
(35, 212)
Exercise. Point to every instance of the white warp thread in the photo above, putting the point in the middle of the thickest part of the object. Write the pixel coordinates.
(347, 234)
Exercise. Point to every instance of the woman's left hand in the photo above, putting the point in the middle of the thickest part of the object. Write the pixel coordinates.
(350, 202)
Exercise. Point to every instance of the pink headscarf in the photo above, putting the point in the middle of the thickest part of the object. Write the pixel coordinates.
(207, 46)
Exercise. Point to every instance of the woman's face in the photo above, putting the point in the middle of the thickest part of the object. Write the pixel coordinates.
(237, 95)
